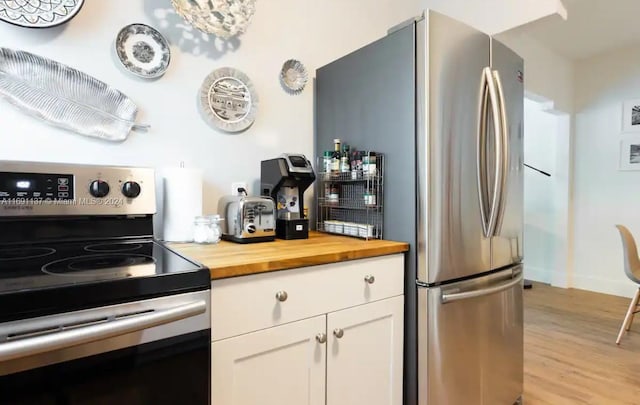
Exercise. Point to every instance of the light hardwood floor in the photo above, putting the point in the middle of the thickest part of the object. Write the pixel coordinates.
(570, 353)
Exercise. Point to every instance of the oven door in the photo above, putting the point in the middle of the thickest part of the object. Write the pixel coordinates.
(150, 352)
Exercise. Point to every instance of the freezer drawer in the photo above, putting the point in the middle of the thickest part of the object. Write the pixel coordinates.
(470, 343)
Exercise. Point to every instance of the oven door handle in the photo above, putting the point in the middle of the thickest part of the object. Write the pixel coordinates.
(68, 338)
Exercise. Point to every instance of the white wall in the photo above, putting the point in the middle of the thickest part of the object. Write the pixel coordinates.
(316, 32)
(493, 16)
(603, 195)
(546, 73)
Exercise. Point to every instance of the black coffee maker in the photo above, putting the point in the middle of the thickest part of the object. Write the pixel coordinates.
(285, 179)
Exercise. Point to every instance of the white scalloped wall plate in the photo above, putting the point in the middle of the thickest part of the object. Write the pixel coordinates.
(229, 100)
(39, 13)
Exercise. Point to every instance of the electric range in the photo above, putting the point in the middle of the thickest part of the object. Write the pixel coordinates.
(88, 298)
(39, 279)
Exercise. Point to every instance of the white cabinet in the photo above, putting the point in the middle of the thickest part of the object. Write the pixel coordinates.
(276, 366)
(339, 343)
(364, 354)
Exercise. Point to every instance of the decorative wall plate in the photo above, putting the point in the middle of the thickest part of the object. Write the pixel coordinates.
(143, 51)
(229, 99)
(223, 18)
(293, 76)
(39, 13)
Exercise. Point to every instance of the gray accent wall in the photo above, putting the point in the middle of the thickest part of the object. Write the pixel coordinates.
(368, 100)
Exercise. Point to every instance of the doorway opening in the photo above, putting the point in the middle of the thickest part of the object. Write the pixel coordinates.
(546, 197)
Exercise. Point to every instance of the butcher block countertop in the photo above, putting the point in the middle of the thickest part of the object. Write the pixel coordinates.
(228, 259)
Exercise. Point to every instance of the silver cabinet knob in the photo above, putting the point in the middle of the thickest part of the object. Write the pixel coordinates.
(321, 338)
(369, 279)
(338, 333)
(282, 296)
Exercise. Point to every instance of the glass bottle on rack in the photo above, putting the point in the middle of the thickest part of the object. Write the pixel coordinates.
(356, 164)
(345, 167)
(335, 158)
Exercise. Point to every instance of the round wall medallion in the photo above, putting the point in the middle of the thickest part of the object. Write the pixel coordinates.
(143, 51)
(39, 13)
(229, 100)
(293, 76)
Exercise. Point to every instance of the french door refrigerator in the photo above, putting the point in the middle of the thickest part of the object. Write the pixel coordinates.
(444, 103)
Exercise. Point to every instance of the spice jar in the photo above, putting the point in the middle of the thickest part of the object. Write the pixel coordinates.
(373, 168)
(364, 158)
(334, 195)
(327, 161)
(370, 198)
(369, 164)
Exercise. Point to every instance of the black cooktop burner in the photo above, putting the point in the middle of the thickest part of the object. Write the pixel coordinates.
(25, 253)
(115, 264)
(39, 279)
(112, 247)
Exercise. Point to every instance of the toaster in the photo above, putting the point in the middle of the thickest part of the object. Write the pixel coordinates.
(247, 219)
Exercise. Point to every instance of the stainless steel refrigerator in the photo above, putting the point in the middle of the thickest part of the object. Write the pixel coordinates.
(444, 103)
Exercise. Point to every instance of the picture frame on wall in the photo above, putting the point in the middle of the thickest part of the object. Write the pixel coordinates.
(630, 154)
(631, 116)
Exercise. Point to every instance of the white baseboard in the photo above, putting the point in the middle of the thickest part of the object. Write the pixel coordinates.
(622, 288)
(539, 274)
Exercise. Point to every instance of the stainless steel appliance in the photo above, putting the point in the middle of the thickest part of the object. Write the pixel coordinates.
(247, 219)
(444, 102)
(92, 309)
(285, 179)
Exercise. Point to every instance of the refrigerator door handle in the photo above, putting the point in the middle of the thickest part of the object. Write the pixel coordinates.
(488, 208)
(452, 297)
(481, 163)
(504, 162)
(497, 132)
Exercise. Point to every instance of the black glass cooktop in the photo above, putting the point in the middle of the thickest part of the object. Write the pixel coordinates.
(46, 278)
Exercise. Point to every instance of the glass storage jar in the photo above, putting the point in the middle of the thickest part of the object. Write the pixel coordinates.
(207, 229)
(216, 230)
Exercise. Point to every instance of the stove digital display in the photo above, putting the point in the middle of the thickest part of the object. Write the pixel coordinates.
(25, 187)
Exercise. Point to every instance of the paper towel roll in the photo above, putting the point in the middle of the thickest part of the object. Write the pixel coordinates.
(182, 197)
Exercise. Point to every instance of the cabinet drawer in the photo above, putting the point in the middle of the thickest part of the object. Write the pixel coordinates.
(245, 304)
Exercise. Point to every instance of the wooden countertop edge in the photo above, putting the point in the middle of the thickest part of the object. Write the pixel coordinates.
(266, 266)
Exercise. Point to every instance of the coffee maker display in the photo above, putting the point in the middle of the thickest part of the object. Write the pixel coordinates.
(285, 179)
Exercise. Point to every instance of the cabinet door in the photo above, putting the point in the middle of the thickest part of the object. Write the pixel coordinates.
(284, 365)
(364, 357)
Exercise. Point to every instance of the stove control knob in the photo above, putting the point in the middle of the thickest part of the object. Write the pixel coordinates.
(131, 189)
(99, 188)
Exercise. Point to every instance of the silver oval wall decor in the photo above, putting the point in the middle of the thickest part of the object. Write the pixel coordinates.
(229, 100)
